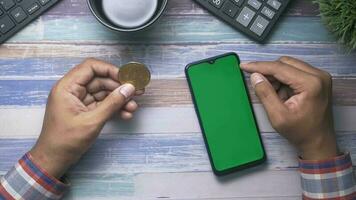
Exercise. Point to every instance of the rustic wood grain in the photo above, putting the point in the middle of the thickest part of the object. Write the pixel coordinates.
(51, 61)
(176, 92)
(160, 93)
(21, 122)
(162, 153)
(151, 186)
(176, 7)
(202, 29)
(188, 186)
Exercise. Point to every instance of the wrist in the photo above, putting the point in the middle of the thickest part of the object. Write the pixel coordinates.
(323, 147)
(48, 163)
(319, 155)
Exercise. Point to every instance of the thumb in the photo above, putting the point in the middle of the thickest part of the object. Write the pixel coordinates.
(265, 92)
(114, 102)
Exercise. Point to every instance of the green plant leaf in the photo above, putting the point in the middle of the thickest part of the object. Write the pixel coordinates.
(340, 17)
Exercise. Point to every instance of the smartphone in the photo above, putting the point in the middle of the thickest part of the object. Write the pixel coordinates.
(225, 113)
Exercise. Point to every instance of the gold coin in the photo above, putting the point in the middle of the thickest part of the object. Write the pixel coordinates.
(136, 74)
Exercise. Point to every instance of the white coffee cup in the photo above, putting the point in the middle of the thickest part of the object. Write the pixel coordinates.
(129, 13)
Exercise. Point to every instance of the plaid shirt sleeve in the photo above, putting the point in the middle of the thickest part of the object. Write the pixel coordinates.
(331, 179)
(28, 181)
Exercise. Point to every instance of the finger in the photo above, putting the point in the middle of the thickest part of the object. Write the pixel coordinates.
(100, 84)
(113, 103)
(88, 99)
(301, 65)
(271, 79)
(282, 72)
(276, 85)
(96, 97)
(131, 106)
(126, 115)
(268, 96)
(100, 96)
(93, 105)
(140, 92)
(283, 93)
(77, 90)
(83, 73)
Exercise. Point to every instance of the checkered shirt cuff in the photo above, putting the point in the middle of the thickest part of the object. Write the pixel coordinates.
(328, 179)
(26, 180)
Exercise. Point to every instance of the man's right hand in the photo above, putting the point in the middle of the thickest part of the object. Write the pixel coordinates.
(298, 101)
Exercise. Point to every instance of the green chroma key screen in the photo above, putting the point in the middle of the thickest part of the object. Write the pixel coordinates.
(225, 113)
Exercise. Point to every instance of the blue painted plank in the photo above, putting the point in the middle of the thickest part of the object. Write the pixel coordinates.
(144, 153)
(175, 7)
(177, 186)
(160, 92)
(101, 186)
(25, 92)
(32, 67)
(164, 60)
(170, 30)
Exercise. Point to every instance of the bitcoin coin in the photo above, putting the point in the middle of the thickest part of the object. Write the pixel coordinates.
(136, 74)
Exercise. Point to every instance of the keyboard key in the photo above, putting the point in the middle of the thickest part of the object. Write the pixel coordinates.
(6, 24)
(18, 14)
(245, 16)
(255, 4)
(259, 25)
(268, 12)
(216, 3)
(230, 9)
(238, 2)
(44, 2)
(33, 8)
(274, 4)
(7, 4)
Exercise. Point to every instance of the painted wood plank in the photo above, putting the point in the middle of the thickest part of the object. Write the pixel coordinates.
(24, 122)
(205, 185)
(49, 61)
(97, 197)
(302, 8)
(158, 153)
(160, 93)
(176, 7)
(178, 186)
(102, 186)
(170, 30)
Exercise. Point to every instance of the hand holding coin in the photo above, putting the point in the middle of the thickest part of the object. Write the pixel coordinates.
(136, 74)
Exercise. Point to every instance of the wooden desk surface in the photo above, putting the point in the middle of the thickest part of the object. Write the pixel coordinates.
(161, 153)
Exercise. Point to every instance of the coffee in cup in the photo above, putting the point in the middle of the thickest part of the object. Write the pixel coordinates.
(129, 13)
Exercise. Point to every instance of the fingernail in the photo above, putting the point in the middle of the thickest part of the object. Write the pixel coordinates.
(244, 65)
(127, 90)
(256, 79)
